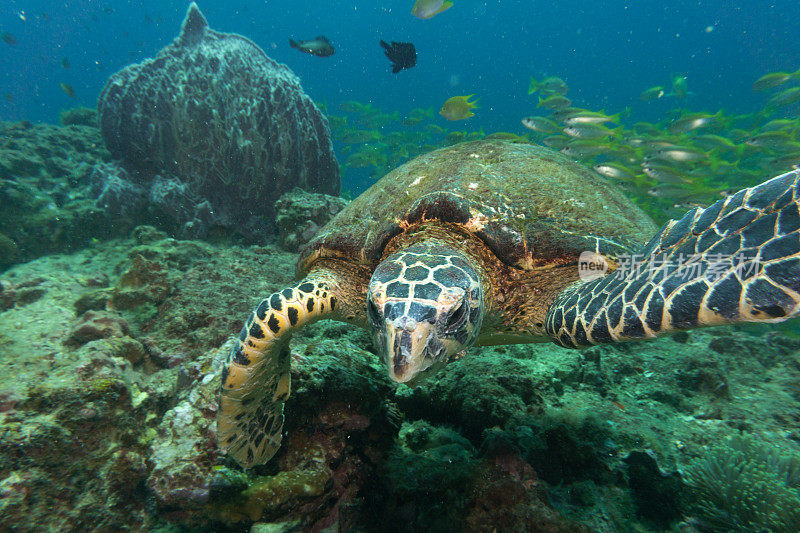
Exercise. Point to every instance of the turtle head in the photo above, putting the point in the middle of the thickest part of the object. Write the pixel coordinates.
(424, 306)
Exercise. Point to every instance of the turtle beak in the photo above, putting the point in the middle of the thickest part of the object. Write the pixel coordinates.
(406, 347)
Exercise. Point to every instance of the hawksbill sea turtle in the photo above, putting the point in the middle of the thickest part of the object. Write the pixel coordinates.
(482, 243)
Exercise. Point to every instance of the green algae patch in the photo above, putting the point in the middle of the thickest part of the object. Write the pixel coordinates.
(277, 492)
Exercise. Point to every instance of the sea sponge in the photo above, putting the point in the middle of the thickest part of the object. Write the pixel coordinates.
(746, 484)
(214, 111)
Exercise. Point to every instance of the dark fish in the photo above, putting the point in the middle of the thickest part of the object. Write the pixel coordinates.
(9, 39)
(318, 46)
(65, 62)
(402, 55)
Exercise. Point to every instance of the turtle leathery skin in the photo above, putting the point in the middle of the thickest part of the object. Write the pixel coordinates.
(438, 288)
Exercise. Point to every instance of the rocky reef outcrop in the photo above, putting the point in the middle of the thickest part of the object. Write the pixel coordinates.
(300, 215)
(214, 124)
(45, 202)
(108, 395)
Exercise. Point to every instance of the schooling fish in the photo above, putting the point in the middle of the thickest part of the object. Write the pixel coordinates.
(590, 117)
(589, 131)
(693, 121)
(680, 154)
(540, 124)
(402, 55)
(319, 46)
(653, 93)
(458, 108)
(679, 86)
(581, 148)
(548, 86)
(773, 79)
(615, 170)
(555, 101)
(787, 97)
(425, 9)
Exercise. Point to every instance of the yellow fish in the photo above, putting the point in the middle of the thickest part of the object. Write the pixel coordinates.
(458, 108)
(425, 9)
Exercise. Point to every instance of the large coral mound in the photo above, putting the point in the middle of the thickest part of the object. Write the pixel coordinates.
(230, 123)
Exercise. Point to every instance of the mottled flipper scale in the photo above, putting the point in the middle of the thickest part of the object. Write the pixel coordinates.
(256, 378)
(735, 261)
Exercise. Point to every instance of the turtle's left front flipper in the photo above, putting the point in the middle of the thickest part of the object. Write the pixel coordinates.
(735, 261)
(256, 378)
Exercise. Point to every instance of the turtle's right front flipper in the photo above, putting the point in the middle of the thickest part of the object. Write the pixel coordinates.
(256, 378)
(735, 261)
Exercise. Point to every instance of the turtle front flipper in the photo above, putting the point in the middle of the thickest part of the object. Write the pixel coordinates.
(256, 378)
(735, 261)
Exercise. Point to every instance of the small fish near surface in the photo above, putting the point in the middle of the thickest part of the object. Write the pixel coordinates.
(319, 46)
(9, 39)
(425, 9)
(402, 55)
(458, 108)
(68, 90)
(549, 86)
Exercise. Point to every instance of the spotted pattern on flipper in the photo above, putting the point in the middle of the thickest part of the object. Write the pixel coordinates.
(256, 379)
(735, 261)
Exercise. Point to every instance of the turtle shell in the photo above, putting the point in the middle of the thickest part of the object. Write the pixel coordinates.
(531, 206)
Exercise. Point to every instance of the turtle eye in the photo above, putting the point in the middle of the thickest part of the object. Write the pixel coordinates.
(456, 318)
(372, 313)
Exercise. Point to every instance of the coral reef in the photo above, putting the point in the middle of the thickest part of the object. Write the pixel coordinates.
(301, 214)
(746, 484)
(47, 205)
(229, 130)
(79, 116)
(108, 400)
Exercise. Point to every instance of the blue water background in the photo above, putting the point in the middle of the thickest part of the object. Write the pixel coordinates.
(607, 51)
